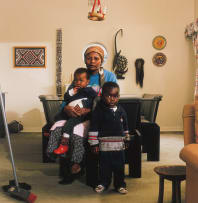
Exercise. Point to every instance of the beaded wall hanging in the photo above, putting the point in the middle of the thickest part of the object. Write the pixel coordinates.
(59, 62)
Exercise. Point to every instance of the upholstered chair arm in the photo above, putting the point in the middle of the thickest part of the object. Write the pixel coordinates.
(189, 123)
(189, 154)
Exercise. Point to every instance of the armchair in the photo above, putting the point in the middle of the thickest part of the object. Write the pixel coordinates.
(51, 105)
(133, 153)
(189, 153)
(149, 107)
(149, 128)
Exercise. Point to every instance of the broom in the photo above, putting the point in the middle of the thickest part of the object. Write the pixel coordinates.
(14, 189)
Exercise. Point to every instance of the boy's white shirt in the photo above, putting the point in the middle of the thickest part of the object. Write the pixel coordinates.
(114, 108)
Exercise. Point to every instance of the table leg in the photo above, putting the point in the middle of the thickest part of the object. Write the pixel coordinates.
(161, 189)
(176, 191)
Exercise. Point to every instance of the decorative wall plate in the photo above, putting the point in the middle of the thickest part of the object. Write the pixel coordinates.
(159, 42)
(159, 59)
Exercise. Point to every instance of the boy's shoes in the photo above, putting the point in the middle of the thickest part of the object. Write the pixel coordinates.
(75, 168)
(61, 149)
(122, 190)
(99, 188)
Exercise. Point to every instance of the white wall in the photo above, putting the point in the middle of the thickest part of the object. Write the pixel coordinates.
(34, 22)
(22, 86)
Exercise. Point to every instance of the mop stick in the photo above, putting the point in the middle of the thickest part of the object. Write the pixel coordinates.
(8, 139)
(15, 191)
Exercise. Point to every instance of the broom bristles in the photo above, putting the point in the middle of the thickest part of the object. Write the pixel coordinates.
(31, 198)
(22, 194)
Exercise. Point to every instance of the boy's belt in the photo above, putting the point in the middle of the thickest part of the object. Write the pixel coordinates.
(111, 144)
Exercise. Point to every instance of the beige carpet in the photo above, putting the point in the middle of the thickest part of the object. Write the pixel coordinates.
(44, 177)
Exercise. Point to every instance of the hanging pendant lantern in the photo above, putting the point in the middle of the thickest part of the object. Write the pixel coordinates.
(97, 10)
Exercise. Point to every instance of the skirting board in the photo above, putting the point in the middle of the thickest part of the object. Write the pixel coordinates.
(172, 132)
(171, 129)
(162, 130)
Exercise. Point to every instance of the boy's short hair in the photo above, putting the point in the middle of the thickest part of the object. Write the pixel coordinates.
(82, 70)
(109, 86)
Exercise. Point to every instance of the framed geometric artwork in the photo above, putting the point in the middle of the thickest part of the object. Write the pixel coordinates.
(29, 57)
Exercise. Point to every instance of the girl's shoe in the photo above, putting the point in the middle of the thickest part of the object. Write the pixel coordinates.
(99, 188)
(61, 149)
(122, 190)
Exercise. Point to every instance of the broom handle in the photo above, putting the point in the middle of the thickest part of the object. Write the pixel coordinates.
(8, 138)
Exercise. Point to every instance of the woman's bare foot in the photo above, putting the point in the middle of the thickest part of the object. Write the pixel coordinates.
(75, 168)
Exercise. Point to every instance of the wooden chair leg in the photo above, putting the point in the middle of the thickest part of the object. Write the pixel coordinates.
(135, 157)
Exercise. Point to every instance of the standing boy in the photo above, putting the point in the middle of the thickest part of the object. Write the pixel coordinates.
(107, 132)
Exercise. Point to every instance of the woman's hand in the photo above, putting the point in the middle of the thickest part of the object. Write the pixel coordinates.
(82, 111)
(85, 111)
(71, 111)
(75, 111)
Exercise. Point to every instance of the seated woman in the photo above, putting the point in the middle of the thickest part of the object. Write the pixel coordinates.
(94, 58)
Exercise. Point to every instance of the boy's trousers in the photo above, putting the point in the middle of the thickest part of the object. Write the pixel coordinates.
(112, 162)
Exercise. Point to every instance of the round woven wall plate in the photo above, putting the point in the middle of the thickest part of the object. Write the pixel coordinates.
(159, 59)
(159, 42)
